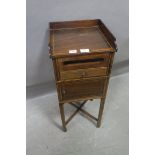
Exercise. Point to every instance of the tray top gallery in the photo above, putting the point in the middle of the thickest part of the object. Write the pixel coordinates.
(70, 37)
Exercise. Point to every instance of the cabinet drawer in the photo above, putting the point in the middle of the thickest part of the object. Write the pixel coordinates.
(83, 73)
(79, 89)
(84, 61)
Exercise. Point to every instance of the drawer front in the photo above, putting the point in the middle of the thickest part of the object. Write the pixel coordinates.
(79, 89)
(84, 61)
(83, 73)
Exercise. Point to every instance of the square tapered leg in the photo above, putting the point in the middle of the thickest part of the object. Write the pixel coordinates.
(61, 106)
(100, 112)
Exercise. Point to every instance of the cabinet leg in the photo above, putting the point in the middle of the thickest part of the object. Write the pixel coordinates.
(100, 112)
(61, 106)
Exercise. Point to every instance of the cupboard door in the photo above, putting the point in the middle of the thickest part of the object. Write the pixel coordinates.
(80, 89)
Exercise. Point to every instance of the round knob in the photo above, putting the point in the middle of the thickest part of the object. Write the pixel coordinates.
(83, 74)
(64, 91)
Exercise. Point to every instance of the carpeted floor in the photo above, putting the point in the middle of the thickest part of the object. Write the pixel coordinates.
(45, 135)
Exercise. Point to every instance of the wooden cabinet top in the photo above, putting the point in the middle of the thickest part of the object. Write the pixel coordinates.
(81, 34)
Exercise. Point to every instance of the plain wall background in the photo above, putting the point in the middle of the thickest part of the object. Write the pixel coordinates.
(114, 13)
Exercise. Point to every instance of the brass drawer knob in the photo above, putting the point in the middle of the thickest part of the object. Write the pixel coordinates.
(63, 91)
(82, 74)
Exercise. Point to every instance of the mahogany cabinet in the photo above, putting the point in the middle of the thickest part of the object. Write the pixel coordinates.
(82, 53)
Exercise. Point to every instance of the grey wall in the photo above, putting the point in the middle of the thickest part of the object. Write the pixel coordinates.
(114, 14)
